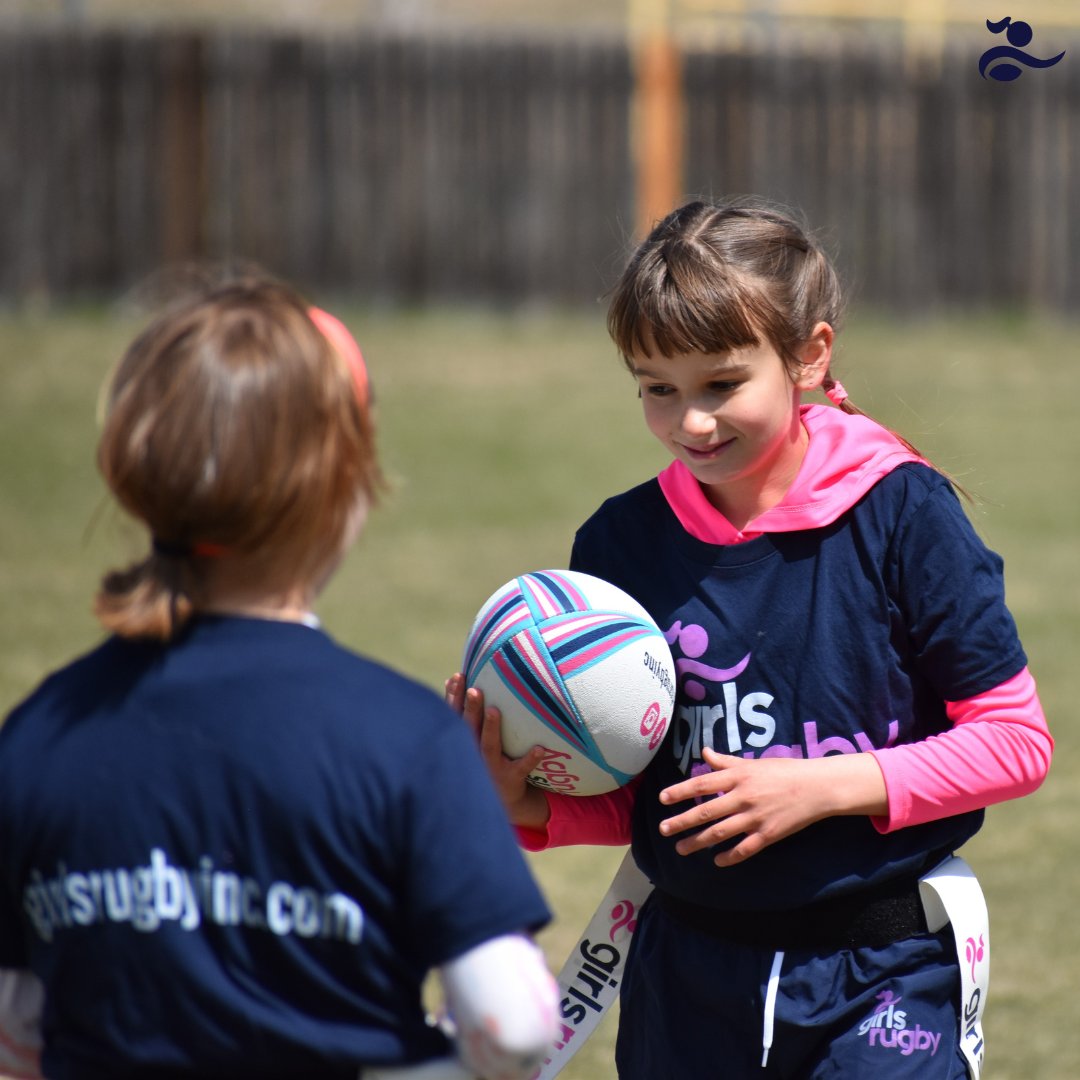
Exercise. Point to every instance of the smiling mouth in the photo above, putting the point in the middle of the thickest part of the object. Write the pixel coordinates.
(705, 453)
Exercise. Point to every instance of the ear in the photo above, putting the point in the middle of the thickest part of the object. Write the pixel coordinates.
(815, 356)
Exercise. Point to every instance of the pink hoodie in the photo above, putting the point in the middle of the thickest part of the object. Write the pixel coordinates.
(999, 747)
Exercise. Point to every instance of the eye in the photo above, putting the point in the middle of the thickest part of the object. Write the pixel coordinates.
(723, 386)
(656, 390)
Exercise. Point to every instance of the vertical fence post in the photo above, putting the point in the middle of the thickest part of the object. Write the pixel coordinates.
(924, 35)
(184, 158)
(657, 111)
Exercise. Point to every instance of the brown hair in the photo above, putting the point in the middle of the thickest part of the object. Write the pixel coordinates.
(715, 277)
(712, 278)
(232, 429)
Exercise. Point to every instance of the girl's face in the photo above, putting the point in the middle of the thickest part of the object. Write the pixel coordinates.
(733, 419)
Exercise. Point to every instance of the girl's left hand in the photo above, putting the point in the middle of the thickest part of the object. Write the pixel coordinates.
(764, 800)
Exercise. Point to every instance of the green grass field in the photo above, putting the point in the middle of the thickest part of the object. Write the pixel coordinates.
(502, 434)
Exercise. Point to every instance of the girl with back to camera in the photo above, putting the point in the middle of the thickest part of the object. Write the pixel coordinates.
(852, 690)
(232, 847)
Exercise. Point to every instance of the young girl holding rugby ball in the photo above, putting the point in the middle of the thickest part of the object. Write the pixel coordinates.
(853, 692)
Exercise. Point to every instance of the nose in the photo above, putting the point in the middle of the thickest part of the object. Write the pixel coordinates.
(698, 421)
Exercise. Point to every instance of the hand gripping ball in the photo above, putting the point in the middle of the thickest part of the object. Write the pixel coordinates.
(578, 667)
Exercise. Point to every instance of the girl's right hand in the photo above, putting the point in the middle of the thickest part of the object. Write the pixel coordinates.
(525, 804)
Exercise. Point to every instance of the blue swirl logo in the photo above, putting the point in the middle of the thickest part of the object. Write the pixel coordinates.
(997, 63)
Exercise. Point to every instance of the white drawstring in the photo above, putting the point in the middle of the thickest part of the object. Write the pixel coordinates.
(770, 1007)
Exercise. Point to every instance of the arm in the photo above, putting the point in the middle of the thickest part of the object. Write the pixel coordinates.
(764, 800)
(21, 1000)
(502, 1000)
(542, 820)
(965, 643)
(999, 748)
(501, 1004)
(587, 819)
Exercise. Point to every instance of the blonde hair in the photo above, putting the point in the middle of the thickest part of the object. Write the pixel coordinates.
(233, 430)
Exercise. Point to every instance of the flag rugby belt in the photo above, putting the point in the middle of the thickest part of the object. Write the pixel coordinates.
(948, 895)
(872, 918)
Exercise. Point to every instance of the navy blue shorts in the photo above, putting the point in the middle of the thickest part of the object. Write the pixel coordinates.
(693, 1007)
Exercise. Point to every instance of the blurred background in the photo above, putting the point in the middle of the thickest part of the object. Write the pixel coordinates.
(500, 151)
(461, 181)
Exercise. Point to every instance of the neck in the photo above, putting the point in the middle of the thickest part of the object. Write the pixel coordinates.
(292, 605)
(258, 611)
(747, 498)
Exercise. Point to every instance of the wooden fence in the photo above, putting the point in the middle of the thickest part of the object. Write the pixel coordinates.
(933, 184)
(417, 171)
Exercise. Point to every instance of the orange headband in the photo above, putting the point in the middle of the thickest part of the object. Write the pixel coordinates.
(335, 331)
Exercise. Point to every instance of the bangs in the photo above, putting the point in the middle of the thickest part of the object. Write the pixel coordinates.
(679, 306)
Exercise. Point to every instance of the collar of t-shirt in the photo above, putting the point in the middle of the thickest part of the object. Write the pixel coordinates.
(847, 455)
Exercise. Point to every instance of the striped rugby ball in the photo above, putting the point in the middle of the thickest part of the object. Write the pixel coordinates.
(578, 667)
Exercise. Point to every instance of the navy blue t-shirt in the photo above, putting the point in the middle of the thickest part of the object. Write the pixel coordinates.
(240, 854)
(837, 639)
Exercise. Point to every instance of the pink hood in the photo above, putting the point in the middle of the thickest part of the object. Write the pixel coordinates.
(846, 457)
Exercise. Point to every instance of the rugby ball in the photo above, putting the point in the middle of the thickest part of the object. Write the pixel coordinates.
(578, 667)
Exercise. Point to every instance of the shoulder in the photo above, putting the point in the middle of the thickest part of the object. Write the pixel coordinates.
(908, 492)
(641, 505)
(382, 678)
(625, 534)
(913, 516)
(340, 684)
(918, 480)
(94, 673)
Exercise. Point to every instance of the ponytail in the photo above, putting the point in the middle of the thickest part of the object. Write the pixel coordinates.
(146, 600)
(835, 392)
